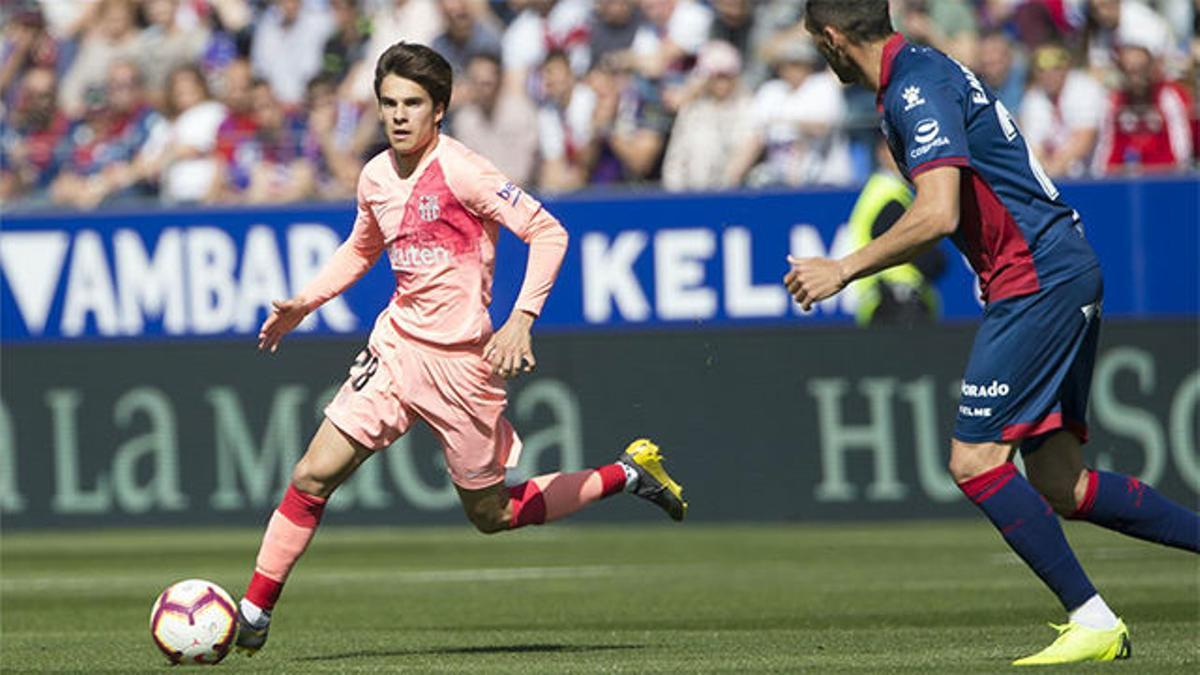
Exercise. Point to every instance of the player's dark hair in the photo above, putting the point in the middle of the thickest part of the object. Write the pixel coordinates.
(421, 65)
(860, 20)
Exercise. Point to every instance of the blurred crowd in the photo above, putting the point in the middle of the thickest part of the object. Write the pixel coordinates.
(105, 102)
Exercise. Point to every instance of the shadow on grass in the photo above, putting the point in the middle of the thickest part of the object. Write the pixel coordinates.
(483, 649)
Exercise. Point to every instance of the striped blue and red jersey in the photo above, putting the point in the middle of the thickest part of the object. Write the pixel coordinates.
(1014, 229)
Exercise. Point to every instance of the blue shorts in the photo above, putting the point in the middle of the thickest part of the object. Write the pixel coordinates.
(1030, 369)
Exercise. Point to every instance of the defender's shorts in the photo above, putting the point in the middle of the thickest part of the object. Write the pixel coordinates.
(1030, 369)
(453, 390)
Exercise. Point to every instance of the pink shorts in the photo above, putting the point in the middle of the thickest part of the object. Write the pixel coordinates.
(453, 390)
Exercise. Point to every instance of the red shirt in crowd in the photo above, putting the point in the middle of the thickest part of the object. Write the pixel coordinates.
(1155, 135)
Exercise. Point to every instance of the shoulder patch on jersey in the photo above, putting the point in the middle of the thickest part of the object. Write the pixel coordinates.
(510, 193)
(925, 131)
(912, 97)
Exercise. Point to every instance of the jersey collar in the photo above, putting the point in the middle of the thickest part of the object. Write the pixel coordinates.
(890, 50)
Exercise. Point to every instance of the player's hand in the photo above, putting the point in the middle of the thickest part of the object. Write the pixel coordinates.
(812, 280)
(285, 315)
(509, 351)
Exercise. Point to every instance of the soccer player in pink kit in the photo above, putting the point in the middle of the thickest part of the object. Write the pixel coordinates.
(435, 208)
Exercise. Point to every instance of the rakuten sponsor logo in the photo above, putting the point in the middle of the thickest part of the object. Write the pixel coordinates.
(993, 390)
(417, 257)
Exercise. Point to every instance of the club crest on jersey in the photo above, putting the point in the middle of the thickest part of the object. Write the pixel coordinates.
(912, 97)
(428, 208)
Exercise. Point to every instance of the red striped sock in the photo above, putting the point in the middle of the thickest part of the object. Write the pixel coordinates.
(553, 496)
(288, 534)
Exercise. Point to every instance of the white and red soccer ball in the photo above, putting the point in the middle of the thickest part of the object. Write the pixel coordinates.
(194, 621)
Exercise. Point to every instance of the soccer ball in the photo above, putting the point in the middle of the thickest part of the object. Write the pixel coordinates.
(194, 621)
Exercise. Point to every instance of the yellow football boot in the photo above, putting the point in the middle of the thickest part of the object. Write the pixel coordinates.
(1078, 643)
(654, 483)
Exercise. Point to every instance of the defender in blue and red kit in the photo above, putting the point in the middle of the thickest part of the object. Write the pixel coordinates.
(1027, 380)
(1031, 366)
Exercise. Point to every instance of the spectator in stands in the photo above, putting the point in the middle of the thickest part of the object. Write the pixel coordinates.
(1061, 114)
(1002, 68)
(31, 135)
(465, 36)
(26, 44)
(230, 33)
(948, 25)
(347, 43)
(331, 138)
(495, 121)
(271, 165)
(394, 20)
(542, 27)
(289, 40)
(113, 37)
(179, 153)
(99, 162)
(238, 128)
(797, 126)
(711, 128)
(630, 126)
(1032, 23)
(612, 28)
(564, 126)
(166, 44)
(1111, 23)
(776, 23)
(1147, 128)
(68, 21)
(666, 44)
(733, 22)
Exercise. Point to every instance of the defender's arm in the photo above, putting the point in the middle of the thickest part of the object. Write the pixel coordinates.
(933, 215)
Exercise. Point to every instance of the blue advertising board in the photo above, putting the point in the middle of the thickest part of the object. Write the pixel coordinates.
(637, 260)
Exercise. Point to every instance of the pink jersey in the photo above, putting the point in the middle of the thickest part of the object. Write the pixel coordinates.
(439, 228)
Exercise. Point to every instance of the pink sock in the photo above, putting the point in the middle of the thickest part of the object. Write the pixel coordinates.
(291, 528)
(555, 495)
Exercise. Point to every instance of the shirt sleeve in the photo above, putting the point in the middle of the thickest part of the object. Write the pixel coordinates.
(352, 259)
(493, 197)
(930, 120)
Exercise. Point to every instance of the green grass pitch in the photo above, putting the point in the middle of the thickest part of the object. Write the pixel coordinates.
(871, 598)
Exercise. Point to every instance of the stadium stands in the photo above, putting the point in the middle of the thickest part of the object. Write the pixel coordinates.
(105, 102)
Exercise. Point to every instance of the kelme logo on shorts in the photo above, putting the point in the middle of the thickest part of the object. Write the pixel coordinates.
(992, 390)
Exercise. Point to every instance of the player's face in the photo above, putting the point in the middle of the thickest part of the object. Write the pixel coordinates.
(408, 114)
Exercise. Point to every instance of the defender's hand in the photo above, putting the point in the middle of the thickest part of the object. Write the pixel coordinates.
(285, 315)
(509, 351)
(812, 280)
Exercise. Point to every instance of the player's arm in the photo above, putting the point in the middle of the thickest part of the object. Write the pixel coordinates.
(510, 351)
(490, 195)
(347, 265)
(933, 215)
